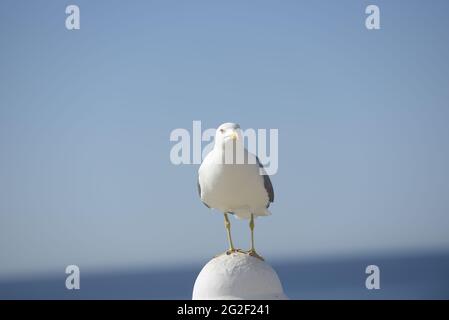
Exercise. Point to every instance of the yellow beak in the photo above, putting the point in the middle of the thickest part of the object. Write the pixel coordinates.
(234, 136)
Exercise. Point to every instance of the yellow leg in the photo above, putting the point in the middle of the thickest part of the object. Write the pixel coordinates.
(252, 251)
(228, 231)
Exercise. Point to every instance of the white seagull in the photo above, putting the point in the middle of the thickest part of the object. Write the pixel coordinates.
(232, 180)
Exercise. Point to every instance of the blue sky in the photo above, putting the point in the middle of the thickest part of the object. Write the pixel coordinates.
(85, 119)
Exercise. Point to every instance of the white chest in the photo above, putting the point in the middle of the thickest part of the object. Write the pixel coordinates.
(226, 186)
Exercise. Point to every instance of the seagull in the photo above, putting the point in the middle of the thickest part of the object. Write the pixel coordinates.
(233, 181)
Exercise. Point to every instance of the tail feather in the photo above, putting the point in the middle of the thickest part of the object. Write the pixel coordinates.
(246, 214)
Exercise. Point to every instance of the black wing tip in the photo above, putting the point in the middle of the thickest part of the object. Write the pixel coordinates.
(267, 184)
(199, 192)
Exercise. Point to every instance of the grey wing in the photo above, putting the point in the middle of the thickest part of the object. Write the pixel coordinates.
(199, 192)
(267, 184)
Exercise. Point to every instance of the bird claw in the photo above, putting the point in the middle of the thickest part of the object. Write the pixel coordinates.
(254, 254)
(250, 252)
(230, 251)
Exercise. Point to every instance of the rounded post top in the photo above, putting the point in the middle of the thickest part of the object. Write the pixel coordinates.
(237, 276)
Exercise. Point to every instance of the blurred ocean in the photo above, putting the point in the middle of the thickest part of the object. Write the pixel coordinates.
(417, 276)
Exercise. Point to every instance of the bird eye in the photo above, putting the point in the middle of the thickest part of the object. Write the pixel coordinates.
(222, 130)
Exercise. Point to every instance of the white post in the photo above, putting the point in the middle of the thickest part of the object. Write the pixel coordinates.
(237, 276)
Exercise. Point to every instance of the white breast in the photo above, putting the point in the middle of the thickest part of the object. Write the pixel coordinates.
(237, 188)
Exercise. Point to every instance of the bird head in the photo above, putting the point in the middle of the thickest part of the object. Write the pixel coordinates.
(228, 133)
